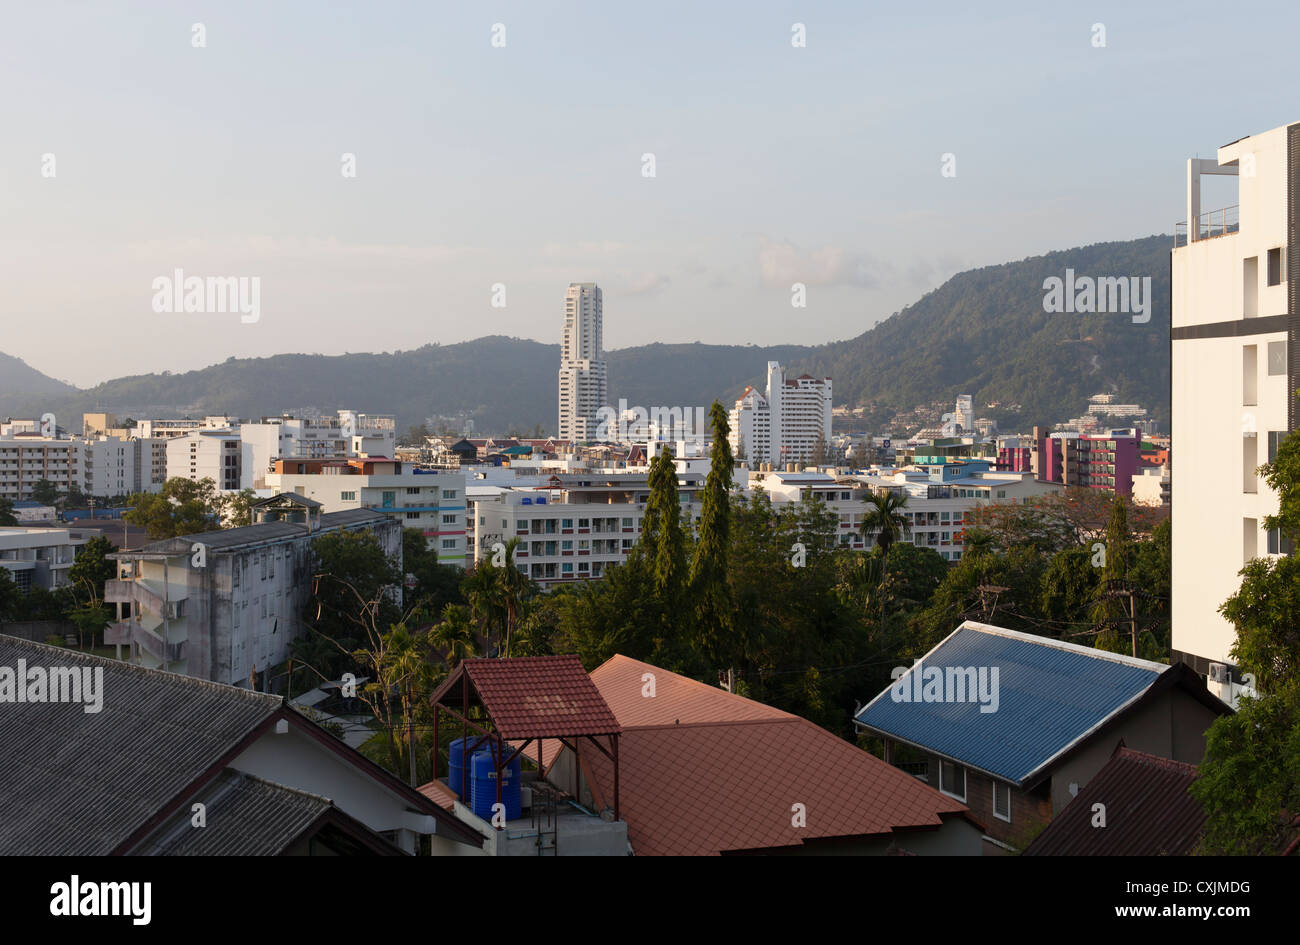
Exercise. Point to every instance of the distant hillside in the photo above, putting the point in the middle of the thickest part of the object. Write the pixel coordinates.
(983, 332)
(19, 381)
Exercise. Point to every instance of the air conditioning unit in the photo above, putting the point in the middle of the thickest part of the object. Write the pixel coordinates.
(1219, 673)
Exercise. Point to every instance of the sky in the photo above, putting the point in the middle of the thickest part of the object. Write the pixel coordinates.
(521, 165)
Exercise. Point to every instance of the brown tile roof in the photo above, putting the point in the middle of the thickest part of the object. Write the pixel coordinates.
(534, 696)
(621, 681)
(439, 793)
(708, 788)
(1148, 811)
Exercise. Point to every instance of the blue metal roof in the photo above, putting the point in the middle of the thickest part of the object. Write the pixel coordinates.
(1050, 694)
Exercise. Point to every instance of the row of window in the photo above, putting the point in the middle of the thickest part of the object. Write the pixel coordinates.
(952, 781)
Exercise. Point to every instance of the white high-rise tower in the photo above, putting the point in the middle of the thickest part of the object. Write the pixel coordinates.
(583, 384)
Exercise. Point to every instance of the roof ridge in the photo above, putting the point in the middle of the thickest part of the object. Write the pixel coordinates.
(1064, 645)
(713, 689)
(774, 720)
(1156, 761)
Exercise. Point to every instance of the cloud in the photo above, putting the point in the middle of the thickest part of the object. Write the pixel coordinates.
(649, 283)
(782, 263)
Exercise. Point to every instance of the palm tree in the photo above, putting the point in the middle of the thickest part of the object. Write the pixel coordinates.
(453, 637)
(481, 591)
(884, 520)
(512, 588)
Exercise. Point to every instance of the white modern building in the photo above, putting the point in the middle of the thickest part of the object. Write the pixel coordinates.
(940, 497)
(218, 455)
(583, 380)
(573, 527)
(431, 500)
(39, 557)
(783, 424)
(1234, 334)
(350, 433)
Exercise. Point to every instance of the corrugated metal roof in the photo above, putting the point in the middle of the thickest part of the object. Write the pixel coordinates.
(1148, 812)
(227, 539)
(1050, 694)
(80, 783)
(244, 816)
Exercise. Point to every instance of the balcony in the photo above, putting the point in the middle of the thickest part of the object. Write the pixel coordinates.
(1211, 224)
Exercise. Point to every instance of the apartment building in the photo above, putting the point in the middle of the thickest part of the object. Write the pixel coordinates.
(940, 497)
(1235, 332)
(572, 527)
(218, 455)
(431, 500)
(39, 557)
(350, 433)
(1106, 461)
(27, 458)
(783, 424)
(583, 379)
(224, 605)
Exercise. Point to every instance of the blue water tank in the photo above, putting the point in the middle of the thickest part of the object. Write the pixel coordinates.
(483, 786)
(456, 763)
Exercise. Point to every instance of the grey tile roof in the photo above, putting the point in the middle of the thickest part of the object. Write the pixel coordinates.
(80, 783)
(244, 816)
(228, 539)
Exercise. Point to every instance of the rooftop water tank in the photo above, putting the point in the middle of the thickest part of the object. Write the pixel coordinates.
(483, 786)
(456, 763)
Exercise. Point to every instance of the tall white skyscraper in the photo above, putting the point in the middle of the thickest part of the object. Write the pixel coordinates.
(784, 426)
(583, 383)
(1235, 324)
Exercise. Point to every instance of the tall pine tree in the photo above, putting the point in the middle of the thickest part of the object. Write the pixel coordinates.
(710, 589)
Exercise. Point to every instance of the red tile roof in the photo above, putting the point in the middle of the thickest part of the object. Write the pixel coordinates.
(535, 696)
(439, 793)
(1148, 811)
(713, 787)
(622, 681)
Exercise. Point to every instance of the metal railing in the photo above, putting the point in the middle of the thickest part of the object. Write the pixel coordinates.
(1210, 224)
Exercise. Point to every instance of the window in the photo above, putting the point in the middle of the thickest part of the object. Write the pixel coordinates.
(1250, 287)
(390, 498)
(1249, 375)
(566, 568)
(1277, 545)
(567, 523)
(627, 523)
(449, 520)
(411, 515)
(262, 560)
(1276, 358)
(1002, 801)
(952, 780)
(449, 493)
(448, 544)
(1275, 438)
(566, 546)
(1249, 539)
(412, 490)
(1275, 266)
(347, 497)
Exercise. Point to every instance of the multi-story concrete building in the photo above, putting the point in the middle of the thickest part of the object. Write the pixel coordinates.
(431, 500)
(940, 497)
(583, 380)
(218, 455)
(1235, 327)
(224, 606)
(783, 425)
(573, 527)
(27, 458)
(39, 557)
(109, 466)
(350, 433)
(1091, 461)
